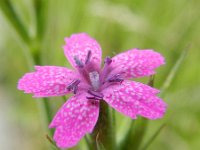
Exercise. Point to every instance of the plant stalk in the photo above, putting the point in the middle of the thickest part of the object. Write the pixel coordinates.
(103, 132)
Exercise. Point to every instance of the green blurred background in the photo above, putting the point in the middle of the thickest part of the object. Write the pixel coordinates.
(38, 27)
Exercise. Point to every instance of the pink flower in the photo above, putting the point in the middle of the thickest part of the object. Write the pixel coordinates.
(90, 84)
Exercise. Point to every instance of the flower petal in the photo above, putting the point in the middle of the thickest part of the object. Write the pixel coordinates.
(79, 45)
(136, 63)
(75, 118)
(133, 98)
(47, 81)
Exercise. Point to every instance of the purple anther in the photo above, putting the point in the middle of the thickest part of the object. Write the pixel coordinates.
(107, 60)
(96, 94)
(75, 89)
(116, 78)
(78, 62)
(93, 98)
(88, 56)
(73, 86)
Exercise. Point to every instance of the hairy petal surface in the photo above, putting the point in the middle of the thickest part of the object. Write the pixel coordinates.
(75, 118)
(47, 81)
(78, 45)
(136, 63)
(133, 98)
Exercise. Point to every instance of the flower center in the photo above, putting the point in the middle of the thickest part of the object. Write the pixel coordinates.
(97, 81)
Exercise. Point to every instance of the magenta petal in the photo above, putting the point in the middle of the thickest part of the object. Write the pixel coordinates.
(133, 98)
(47, 81)
(77, 117)
(137, 63)
(78, 45)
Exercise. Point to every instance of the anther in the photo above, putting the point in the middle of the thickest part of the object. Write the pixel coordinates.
(78, 62)
(96, 94)
(88, 56)
(107, 60)
(93, 98)
(73, 86)
(116, 78)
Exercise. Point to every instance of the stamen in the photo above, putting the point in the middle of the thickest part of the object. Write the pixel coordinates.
(75, 89)
(73, 86)
(96, 94)
(93, 98)
(78, 62)
(94, 79)
(88, 56)
(116, 78)
(107, 60)
(106, 68)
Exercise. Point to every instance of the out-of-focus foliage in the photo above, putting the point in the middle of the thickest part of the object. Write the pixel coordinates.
(167, 26)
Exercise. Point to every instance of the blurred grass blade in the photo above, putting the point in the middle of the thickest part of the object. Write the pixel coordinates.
(46, 116)
(127, 135)
(100, 146)
(52, 142)
(173, 71)
(153, 137)
(10, 14)
(39, 6)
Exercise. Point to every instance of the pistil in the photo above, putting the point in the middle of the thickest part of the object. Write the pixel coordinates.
(94, 80)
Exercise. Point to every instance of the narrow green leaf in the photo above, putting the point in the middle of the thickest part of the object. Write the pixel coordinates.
(10, 14)
(88, 142)
(127, 135)
(134, 136)
(153, 137)
(173, 71)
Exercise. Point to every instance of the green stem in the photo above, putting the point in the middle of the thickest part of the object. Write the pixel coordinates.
(103, 132)
(153, 137)
(31, 58)
(46, 116)
(12, 17)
